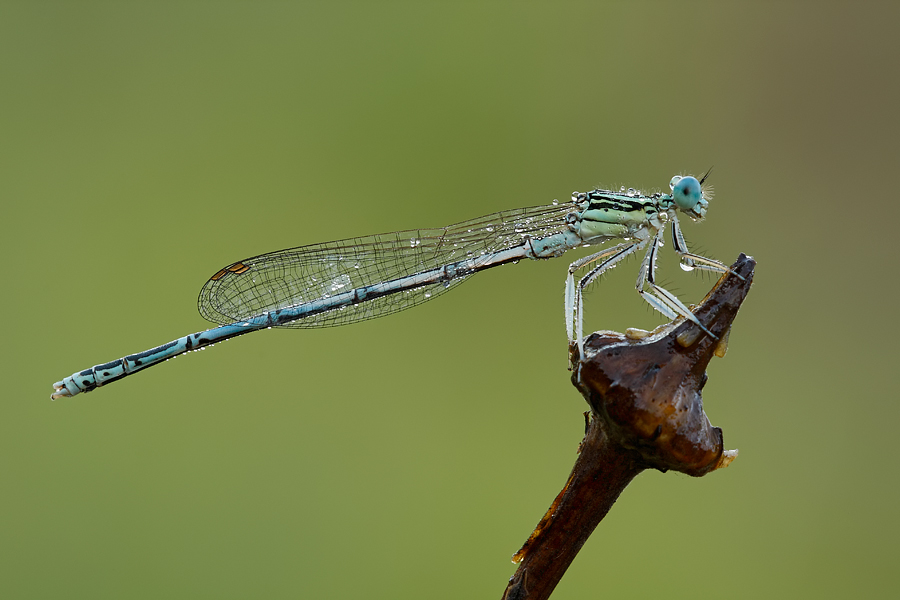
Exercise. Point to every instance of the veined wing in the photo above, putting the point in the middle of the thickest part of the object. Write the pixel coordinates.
(295, 276)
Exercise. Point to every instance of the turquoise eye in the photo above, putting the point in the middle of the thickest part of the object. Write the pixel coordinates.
(687, 193)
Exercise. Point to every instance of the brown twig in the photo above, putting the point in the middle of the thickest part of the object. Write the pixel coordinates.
(646, 412)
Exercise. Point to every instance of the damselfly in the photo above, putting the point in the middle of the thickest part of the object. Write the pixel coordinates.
(351, 280)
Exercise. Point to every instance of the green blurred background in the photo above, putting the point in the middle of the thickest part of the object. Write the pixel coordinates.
(143, 147)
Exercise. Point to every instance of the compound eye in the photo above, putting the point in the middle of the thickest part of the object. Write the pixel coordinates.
(686, 192)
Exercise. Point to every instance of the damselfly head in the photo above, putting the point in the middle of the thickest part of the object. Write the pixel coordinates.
(689, 196)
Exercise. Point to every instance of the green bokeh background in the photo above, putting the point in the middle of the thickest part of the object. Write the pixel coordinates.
(143, 147)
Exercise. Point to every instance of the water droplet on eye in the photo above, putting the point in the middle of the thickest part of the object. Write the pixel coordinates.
(555, 202)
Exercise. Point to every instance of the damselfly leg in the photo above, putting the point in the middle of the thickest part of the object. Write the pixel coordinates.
(660, 298)
(690, 260)
(575, 294)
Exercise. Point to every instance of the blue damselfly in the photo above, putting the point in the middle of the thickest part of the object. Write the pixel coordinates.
(336, 283)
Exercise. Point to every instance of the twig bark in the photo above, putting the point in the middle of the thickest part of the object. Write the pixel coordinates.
(646, 412)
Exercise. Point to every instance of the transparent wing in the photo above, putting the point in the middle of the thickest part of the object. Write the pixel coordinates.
(298, 275)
